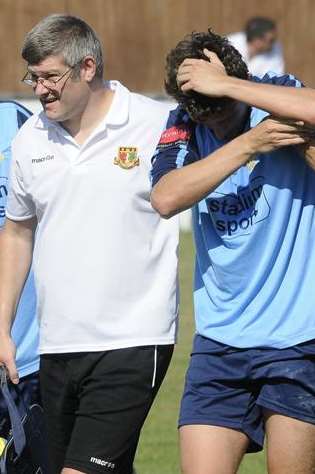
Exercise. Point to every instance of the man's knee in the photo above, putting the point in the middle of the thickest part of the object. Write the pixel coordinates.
(211, 449)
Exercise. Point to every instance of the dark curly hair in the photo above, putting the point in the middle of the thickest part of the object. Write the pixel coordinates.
(199, 106)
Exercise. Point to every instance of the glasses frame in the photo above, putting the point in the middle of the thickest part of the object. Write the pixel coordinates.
(41, 80)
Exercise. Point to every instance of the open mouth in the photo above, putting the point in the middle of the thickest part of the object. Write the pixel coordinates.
(49, 100)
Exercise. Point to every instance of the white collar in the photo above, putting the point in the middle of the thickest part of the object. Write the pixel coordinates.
(118, 113)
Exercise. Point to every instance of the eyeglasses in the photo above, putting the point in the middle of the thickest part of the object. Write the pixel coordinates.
(32, 80)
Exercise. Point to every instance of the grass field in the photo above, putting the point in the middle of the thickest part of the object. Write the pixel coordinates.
(158, 449)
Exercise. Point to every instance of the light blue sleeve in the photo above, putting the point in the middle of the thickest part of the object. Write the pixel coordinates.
(25, 327)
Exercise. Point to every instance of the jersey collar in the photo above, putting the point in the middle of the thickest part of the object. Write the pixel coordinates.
(117, 115)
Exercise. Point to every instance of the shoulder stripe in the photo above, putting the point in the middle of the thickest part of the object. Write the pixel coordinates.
(180, 159)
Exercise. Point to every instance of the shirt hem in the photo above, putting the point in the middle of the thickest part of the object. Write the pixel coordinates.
(28, 369)
(277, 344)
(104, 347)
(18, 218)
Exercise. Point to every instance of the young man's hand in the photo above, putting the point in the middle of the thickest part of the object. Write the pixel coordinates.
(274, 133)
(7, 357)
(206, 77)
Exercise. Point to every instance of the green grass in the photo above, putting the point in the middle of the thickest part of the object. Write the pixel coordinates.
(158, 448)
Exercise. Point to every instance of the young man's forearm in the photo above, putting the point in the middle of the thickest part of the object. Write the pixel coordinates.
(290, 102)
(182, 188)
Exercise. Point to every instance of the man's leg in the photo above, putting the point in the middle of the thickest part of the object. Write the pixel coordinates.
(71, 471)
(287, 398)
(74, 471)
(59, 407)
(219, 418)
(290, 445)
(211, 449)
(114, 390)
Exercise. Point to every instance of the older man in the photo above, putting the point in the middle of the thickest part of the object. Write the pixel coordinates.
(105, 262)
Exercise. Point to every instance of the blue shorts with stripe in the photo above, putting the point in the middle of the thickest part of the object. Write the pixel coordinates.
(231, 387)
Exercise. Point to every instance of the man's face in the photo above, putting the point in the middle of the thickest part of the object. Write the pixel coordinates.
(265, 43)
(229, 122)
(63, 100)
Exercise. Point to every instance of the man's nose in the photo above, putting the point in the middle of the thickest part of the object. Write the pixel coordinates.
(40, 89)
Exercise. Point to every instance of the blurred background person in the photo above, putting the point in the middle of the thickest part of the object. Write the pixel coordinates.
(259, 46)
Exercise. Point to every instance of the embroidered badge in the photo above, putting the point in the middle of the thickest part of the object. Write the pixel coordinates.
(127, 157)
(2, 157)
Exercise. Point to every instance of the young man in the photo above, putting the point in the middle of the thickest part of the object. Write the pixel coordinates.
(25, 327)
(105, 262)
(259, 46)
(252, 367)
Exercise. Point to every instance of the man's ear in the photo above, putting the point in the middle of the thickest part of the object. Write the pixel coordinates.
(88, 68)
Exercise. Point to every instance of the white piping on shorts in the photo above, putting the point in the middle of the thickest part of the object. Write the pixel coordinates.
(155, 367)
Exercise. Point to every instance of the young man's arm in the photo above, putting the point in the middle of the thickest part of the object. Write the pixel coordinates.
(16, 245)
(210, 78)
(181, 188)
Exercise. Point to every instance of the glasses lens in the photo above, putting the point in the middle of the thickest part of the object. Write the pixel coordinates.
(27, 79)
(32, 80)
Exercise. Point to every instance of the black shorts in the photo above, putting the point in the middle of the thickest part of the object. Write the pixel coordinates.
(96, 403)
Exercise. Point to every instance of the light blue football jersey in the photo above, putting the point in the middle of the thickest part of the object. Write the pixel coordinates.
(255, 239)
(25, 327)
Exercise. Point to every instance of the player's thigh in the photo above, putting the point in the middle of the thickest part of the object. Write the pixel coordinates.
(217, 392)
(287, 398)
(211, 449)
(290, 444)
(59, 406)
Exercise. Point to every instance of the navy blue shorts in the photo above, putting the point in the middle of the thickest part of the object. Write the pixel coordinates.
(230, 387)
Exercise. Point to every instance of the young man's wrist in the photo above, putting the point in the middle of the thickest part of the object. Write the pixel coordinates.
(247, 146)
(231, 87)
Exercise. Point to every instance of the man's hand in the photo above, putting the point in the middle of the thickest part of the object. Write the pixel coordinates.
(274, 133)
(7, 357)
(206, 77)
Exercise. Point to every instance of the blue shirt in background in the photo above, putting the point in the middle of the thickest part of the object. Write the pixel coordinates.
(254, 236)
(25, 328)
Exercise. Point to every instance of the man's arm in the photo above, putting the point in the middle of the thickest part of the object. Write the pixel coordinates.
(181, 188)
(210, 78)
(16, 245)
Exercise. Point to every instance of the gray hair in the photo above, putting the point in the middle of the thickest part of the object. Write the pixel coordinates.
(64, 35)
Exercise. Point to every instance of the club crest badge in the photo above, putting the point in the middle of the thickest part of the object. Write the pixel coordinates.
(2, 157)
(127, 157)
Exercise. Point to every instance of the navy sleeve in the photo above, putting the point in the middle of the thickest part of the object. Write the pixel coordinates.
(278, 80)
(22, 114)
(176, 147)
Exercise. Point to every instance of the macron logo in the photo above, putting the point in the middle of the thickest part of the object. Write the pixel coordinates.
(43, 158)
(101, 462)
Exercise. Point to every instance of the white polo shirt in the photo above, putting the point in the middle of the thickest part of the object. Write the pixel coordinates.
(105, 263)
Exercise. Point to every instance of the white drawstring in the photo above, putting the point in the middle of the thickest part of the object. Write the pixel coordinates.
(155, 366)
